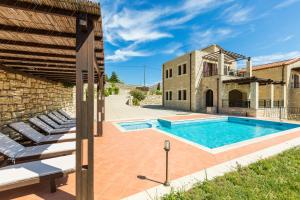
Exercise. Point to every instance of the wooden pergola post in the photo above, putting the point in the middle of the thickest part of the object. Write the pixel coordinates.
(100, 103)
(85, 56)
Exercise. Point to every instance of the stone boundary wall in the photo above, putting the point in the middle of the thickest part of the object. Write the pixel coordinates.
(22, 97)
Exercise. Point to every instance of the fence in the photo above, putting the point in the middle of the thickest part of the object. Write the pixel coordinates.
(290, 113)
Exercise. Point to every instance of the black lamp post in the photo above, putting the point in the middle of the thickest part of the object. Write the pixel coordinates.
(167, 147)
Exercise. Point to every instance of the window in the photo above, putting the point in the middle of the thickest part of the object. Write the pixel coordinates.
(179, 70)
(170, 73)
(167, 95)
(184, 94)
(179, 94)
(167, 73)
(296, 81)
(184, 68)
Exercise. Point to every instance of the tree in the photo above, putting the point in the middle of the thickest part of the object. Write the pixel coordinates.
(158, 86)
(114, 78)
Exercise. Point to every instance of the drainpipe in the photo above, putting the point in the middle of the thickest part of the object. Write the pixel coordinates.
(190, 81)
(218, 95)
(163, 86)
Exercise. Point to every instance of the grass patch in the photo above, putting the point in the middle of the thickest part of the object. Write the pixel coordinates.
(277, 177)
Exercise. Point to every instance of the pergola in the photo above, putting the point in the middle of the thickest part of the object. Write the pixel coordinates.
(228, 56)
(60, 40)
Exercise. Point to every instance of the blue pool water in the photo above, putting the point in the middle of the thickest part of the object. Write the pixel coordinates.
(130, 126)
(215, 133)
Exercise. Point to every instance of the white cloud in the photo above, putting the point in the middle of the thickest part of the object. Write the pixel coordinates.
(126, 53)
(285, 39)
(237, 14)
(200, 38)
(172, 48)
(275, 57)
(285, 3)
(147, 25)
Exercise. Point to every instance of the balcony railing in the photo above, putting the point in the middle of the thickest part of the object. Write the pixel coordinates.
(234, 72)
(209, 73)
(296, 85)
(264, 103)
(231, 72)
(279, 103)
(238, 104)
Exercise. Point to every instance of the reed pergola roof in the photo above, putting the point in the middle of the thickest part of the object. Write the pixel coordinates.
(228, 56)
(38, 37)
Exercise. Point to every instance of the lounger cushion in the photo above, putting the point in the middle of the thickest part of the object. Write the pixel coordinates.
(27, 131)
(45, 127)
(62, 117)
(66, 114)
(9, 147)
(53, 124)
(45, 149)
(31, 172)
(60, 121)
(37, 137)
(59, 137)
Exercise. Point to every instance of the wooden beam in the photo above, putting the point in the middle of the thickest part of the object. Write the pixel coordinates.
(48, 71)
(32, 53)
(36, 44)
(40, 60)
(37, 31)
(39, 68)
(55, 55)
(37, 64)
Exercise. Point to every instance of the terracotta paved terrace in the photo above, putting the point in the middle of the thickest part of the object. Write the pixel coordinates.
(121, 157)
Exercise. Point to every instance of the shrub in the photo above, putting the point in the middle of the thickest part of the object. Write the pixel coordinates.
(110, 90)
(137, 94)
(116, 90)
(135, 102)
(106, 93)
(158, 92)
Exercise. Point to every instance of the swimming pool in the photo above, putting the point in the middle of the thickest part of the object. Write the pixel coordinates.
(214, 133)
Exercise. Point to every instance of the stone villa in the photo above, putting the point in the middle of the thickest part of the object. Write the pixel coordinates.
(208, 80)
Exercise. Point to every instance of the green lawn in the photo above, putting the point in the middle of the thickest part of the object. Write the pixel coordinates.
(275, 178)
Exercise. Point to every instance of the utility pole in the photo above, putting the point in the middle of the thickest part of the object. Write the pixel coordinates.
(144, 75)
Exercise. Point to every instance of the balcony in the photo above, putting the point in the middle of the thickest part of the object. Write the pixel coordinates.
(231, 72)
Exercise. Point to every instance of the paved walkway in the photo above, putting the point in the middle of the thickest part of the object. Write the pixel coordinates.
(116, 109)
(121, 158)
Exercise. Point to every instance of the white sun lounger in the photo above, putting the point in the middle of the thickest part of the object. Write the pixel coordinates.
(29, 173)
(66, 115)
(48, 129)
(59, 120)
(39, 138)
(15, 151)
(53, 124)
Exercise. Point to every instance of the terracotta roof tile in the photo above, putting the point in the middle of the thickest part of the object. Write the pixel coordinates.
(276, 64)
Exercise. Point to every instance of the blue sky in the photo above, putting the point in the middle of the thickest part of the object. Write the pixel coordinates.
(150, 32)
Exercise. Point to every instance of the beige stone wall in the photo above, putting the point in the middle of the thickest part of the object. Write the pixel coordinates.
(177, 82)
(22, 97)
